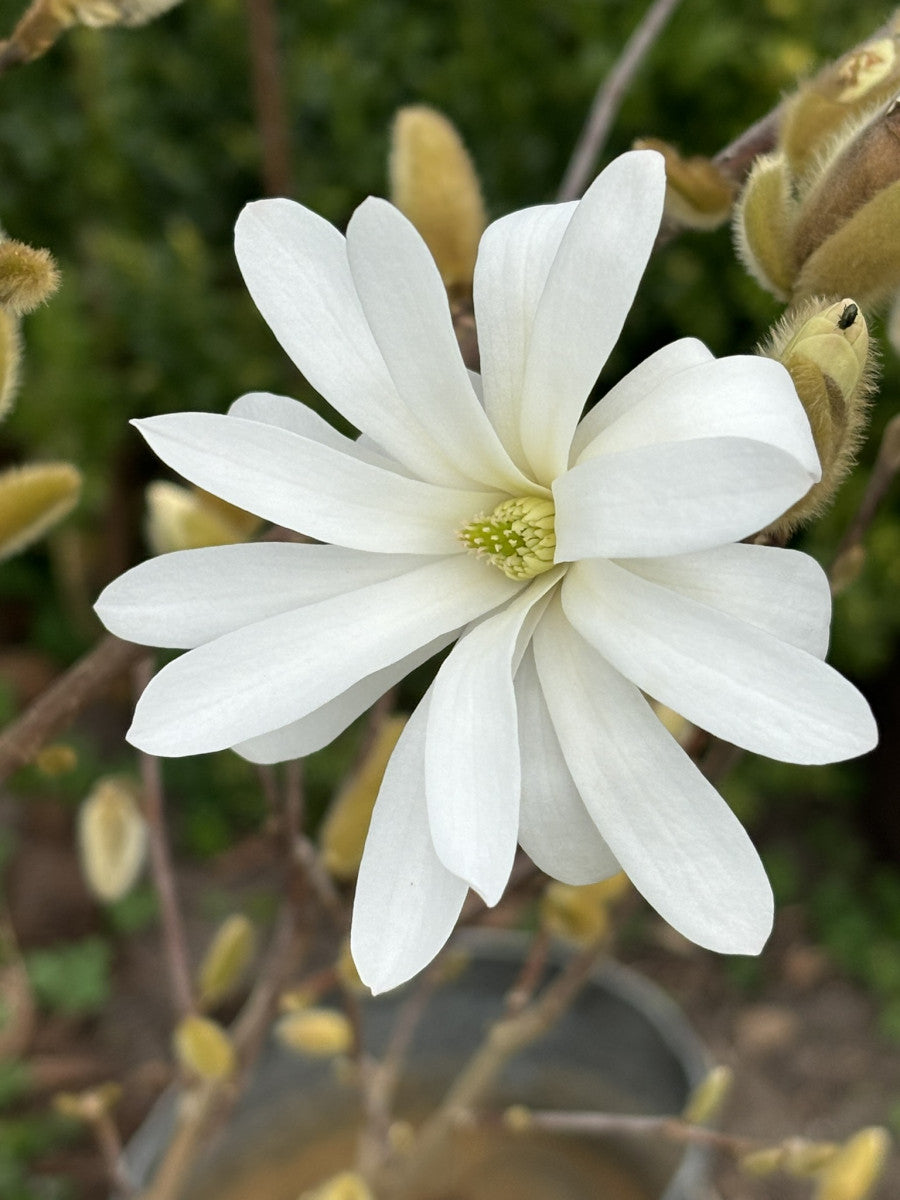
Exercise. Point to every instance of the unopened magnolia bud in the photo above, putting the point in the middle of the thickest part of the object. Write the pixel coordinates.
(317, 1032)
(346, 823)
(574, 914)
(349, 1185)
(763, 218)
(46, 20)
(401, 1136)
(33, 499)
(226, 960)
(762, 1162)
(434, 183)
(706, 1100)
(347, 972)
(88, 1106)
(678, 726)
(699, 194)
(825, 348)
(10, 357)
(517, 1119)
(856, 1167)
(112, 838)
(59, 758)
(204, 1049)
(28, 277)
(180, 518)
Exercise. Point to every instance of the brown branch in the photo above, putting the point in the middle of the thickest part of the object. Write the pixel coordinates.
(609, 97)
(673, 1129)
(268, 97)
(60, 704)
(887, 464)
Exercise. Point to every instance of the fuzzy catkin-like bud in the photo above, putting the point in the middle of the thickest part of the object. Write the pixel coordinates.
(59, 758)
(343, 833)
(316, 1032)
(112, 838)
(204, 1049)
(434, 183)
(825, 348)
(33, 499)
(46, 20)
(707, 1098)
(856, 1168)
(88, 1106)
(226, 960)
(28, 276)
(180, 518)
(698, 194)
(580, 915)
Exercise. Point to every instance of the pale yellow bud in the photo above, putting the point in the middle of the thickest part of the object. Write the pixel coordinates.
(699, 194)
(226, 960)
(46, 20)
(401, 1136)
(32, 500)
(28, 277)
(59, 758)
(434, 183)
(204, 1049)
(349, 1185)
(343, 832)
(678, 726)
(517, 1119)
(707, 1098)
(856, 1167)
(10, 357)
(762, 226)
(296, 999)
(804, 1159)
(762, 1162)
(180, 518)
(316, 1032)
(88, 1106)
(574, 914)
(347, 972)
(112, 838)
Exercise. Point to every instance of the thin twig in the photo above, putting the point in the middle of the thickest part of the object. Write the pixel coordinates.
(174, 939)
(880, 482)
(109, 1144)
(268, 97)
(593, 1124)
(609, 97)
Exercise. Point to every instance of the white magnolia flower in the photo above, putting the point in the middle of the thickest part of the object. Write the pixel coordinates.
(575, 563)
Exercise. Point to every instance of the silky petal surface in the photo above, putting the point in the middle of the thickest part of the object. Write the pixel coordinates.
(589, 290)
(472, 753)
(555, 830)
(193, 596)
(295, 266)
(673, 498)
(636, 386)
(407, 902)
(783, 592)
(313, 732)
(671, 831)
(305, 485)
(733, 679)
(514, 259)
(742, 397)
(269, 674)
(406, 306)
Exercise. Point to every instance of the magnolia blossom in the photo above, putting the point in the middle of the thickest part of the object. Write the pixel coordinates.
(576, 563)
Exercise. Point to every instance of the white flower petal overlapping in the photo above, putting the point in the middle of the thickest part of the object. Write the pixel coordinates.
(536, 729)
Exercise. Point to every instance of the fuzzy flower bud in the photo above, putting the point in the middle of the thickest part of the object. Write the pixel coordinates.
(856, 1167)
(112, 838)
(226, 960)
(204, 1049)
(698, 194)
(59, 758)
(580, 915)
(46, 20)
(707, 1098)
(316, 1032)
(88, 1106)
(28, 277)
(33, 499)
(180, 518)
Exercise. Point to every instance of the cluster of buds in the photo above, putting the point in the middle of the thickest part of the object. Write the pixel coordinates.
(841, 1172)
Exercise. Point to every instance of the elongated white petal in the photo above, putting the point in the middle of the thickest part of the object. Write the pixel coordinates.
(674, 835)
(589, 290)
(555, 830)
(635, 386)
(276, 671)
(308, 486)
(407, 310)
(193, 596)
(323, 725)
(731, 678)
(743, 397)
(295, 266)
(472, 752)
(407, 902)
(285, 413)
(783, 592)
(674, 498)
(514, 260)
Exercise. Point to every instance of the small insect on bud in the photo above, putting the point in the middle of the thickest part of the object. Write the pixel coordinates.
(707, 1098)
(343, 832)
(112, 838)
(856, 1168)
(33, 499)
(434, 183)
(825, 348)
(316, 1032)
(204, 1049)
(226, 960)
(698, 194)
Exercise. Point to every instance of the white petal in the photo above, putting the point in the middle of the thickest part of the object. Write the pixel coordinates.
(295, 267)
(193, 596)
(674, 835)
(514, 260)
(289, 414)
(323, 725)
(308, 486)
(782, 591)
(555, 830)
(407, 902)
(406, 307)
(583, 306)
(743, 397)
(635, 386)
(267, 675)
(472, 751)
(674, 498)
(731, 678)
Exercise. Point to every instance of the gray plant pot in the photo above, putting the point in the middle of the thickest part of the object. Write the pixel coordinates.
(623, 1047)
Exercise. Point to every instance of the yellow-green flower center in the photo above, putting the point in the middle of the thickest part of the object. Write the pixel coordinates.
(518, 537)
